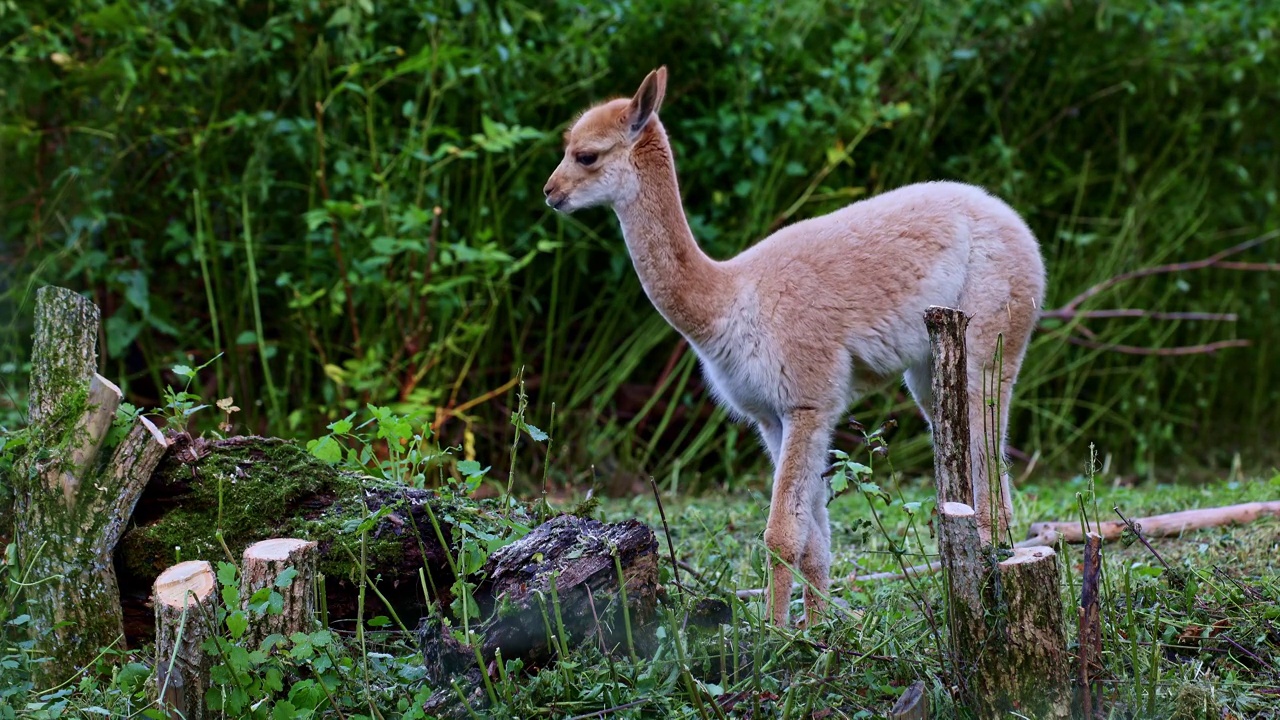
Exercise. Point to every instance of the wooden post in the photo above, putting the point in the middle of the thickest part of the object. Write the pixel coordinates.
(70, 506)
(1090, 621)
(263, 563)
(1005, 615)
(950, 421)
(185, 602)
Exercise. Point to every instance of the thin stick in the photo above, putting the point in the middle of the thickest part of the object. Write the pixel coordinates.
(1137, 531)
(666, 530)
(1214, 260)
(1205, 349)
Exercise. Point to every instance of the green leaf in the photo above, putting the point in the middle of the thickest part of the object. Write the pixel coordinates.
(136, 290)
(184, 371)
(839, 482)
(326, 449)
(285, 579)
(471, 468)
(237, 623)
(379, 621)
(227, 573)
(535, 433)
(121, 332)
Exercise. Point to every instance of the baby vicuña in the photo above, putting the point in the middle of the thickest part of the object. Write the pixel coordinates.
(797, 327)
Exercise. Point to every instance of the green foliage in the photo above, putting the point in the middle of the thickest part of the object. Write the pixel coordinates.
(343, 198)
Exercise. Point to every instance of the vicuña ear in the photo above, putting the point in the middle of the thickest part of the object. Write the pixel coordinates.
(646, 102)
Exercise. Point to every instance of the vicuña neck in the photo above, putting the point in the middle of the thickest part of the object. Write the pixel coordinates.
(687, 287)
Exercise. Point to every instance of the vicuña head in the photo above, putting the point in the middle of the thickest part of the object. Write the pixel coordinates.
(598, 166)
(796, 328)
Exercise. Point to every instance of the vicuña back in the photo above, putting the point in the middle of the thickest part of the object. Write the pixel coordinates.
(796, 328)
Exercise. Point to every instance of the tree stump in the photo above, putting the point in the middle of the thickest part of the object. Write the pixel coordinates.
(1030, 664)
(264, 568)
(71, 505)
(581, 558)
(1005, 616)
(185, 601)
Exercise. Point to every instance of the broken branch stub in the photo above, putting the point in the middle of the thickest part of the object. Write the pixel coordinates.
(950, 410)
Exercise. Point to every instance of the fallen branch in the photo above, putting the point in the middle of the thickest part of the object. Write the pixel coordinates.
(1161, 525)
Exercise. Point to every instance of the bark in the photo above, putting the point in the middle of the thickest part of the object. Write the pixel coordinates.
(576, 556)
(263, 563)
(185, 600)
(950, 413)
(1030, 663)
(966, 570)
(1162, 525)
(1090, 632)
(70, 505)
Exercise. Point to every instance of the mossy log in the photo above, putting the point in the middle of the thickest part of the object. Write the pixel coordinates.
(558, 585)
(74, 492)
(256, 488)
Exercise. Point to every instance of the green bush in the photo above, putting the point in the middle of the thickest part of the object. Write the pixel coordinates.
(261, 178)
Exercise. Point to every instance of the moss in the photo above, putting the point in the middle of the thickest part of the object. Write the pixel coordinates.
(252, 489)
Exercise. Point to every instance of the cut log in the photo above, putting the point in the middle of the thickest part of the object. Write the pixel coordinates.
(185, 601)
(1090, 632)
(1029, 671)
(1163, 525)
(565, 572)
(71, 506)
(264, 568)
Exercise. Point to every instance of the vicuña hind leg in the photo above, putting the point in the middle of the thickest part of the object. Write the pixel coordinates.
(792, 532)
(994, 361)
(815, 565)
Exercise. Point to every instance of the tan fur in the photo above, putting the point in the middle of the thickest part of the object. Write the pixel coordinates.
(799, 326)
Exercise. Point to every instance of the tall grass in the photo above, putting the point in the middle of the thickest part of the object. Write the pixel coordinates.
(344, 199)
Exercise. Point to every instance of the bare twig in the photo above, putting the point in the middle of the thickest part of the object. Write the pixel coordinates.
(1214, 260)
(1078, 334)
(1137, 531)
(666, 530)
(1206, 349)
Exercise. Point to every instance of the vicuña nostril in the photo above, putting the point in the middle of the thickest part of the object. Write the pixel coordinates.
(547, 190)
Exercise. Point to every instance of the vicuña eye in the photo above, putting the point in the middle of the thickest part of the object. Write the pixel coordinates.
(585, 158)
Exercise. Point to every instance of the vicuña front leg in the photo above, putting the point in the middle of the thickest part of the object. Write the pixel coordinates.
(797, 534)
